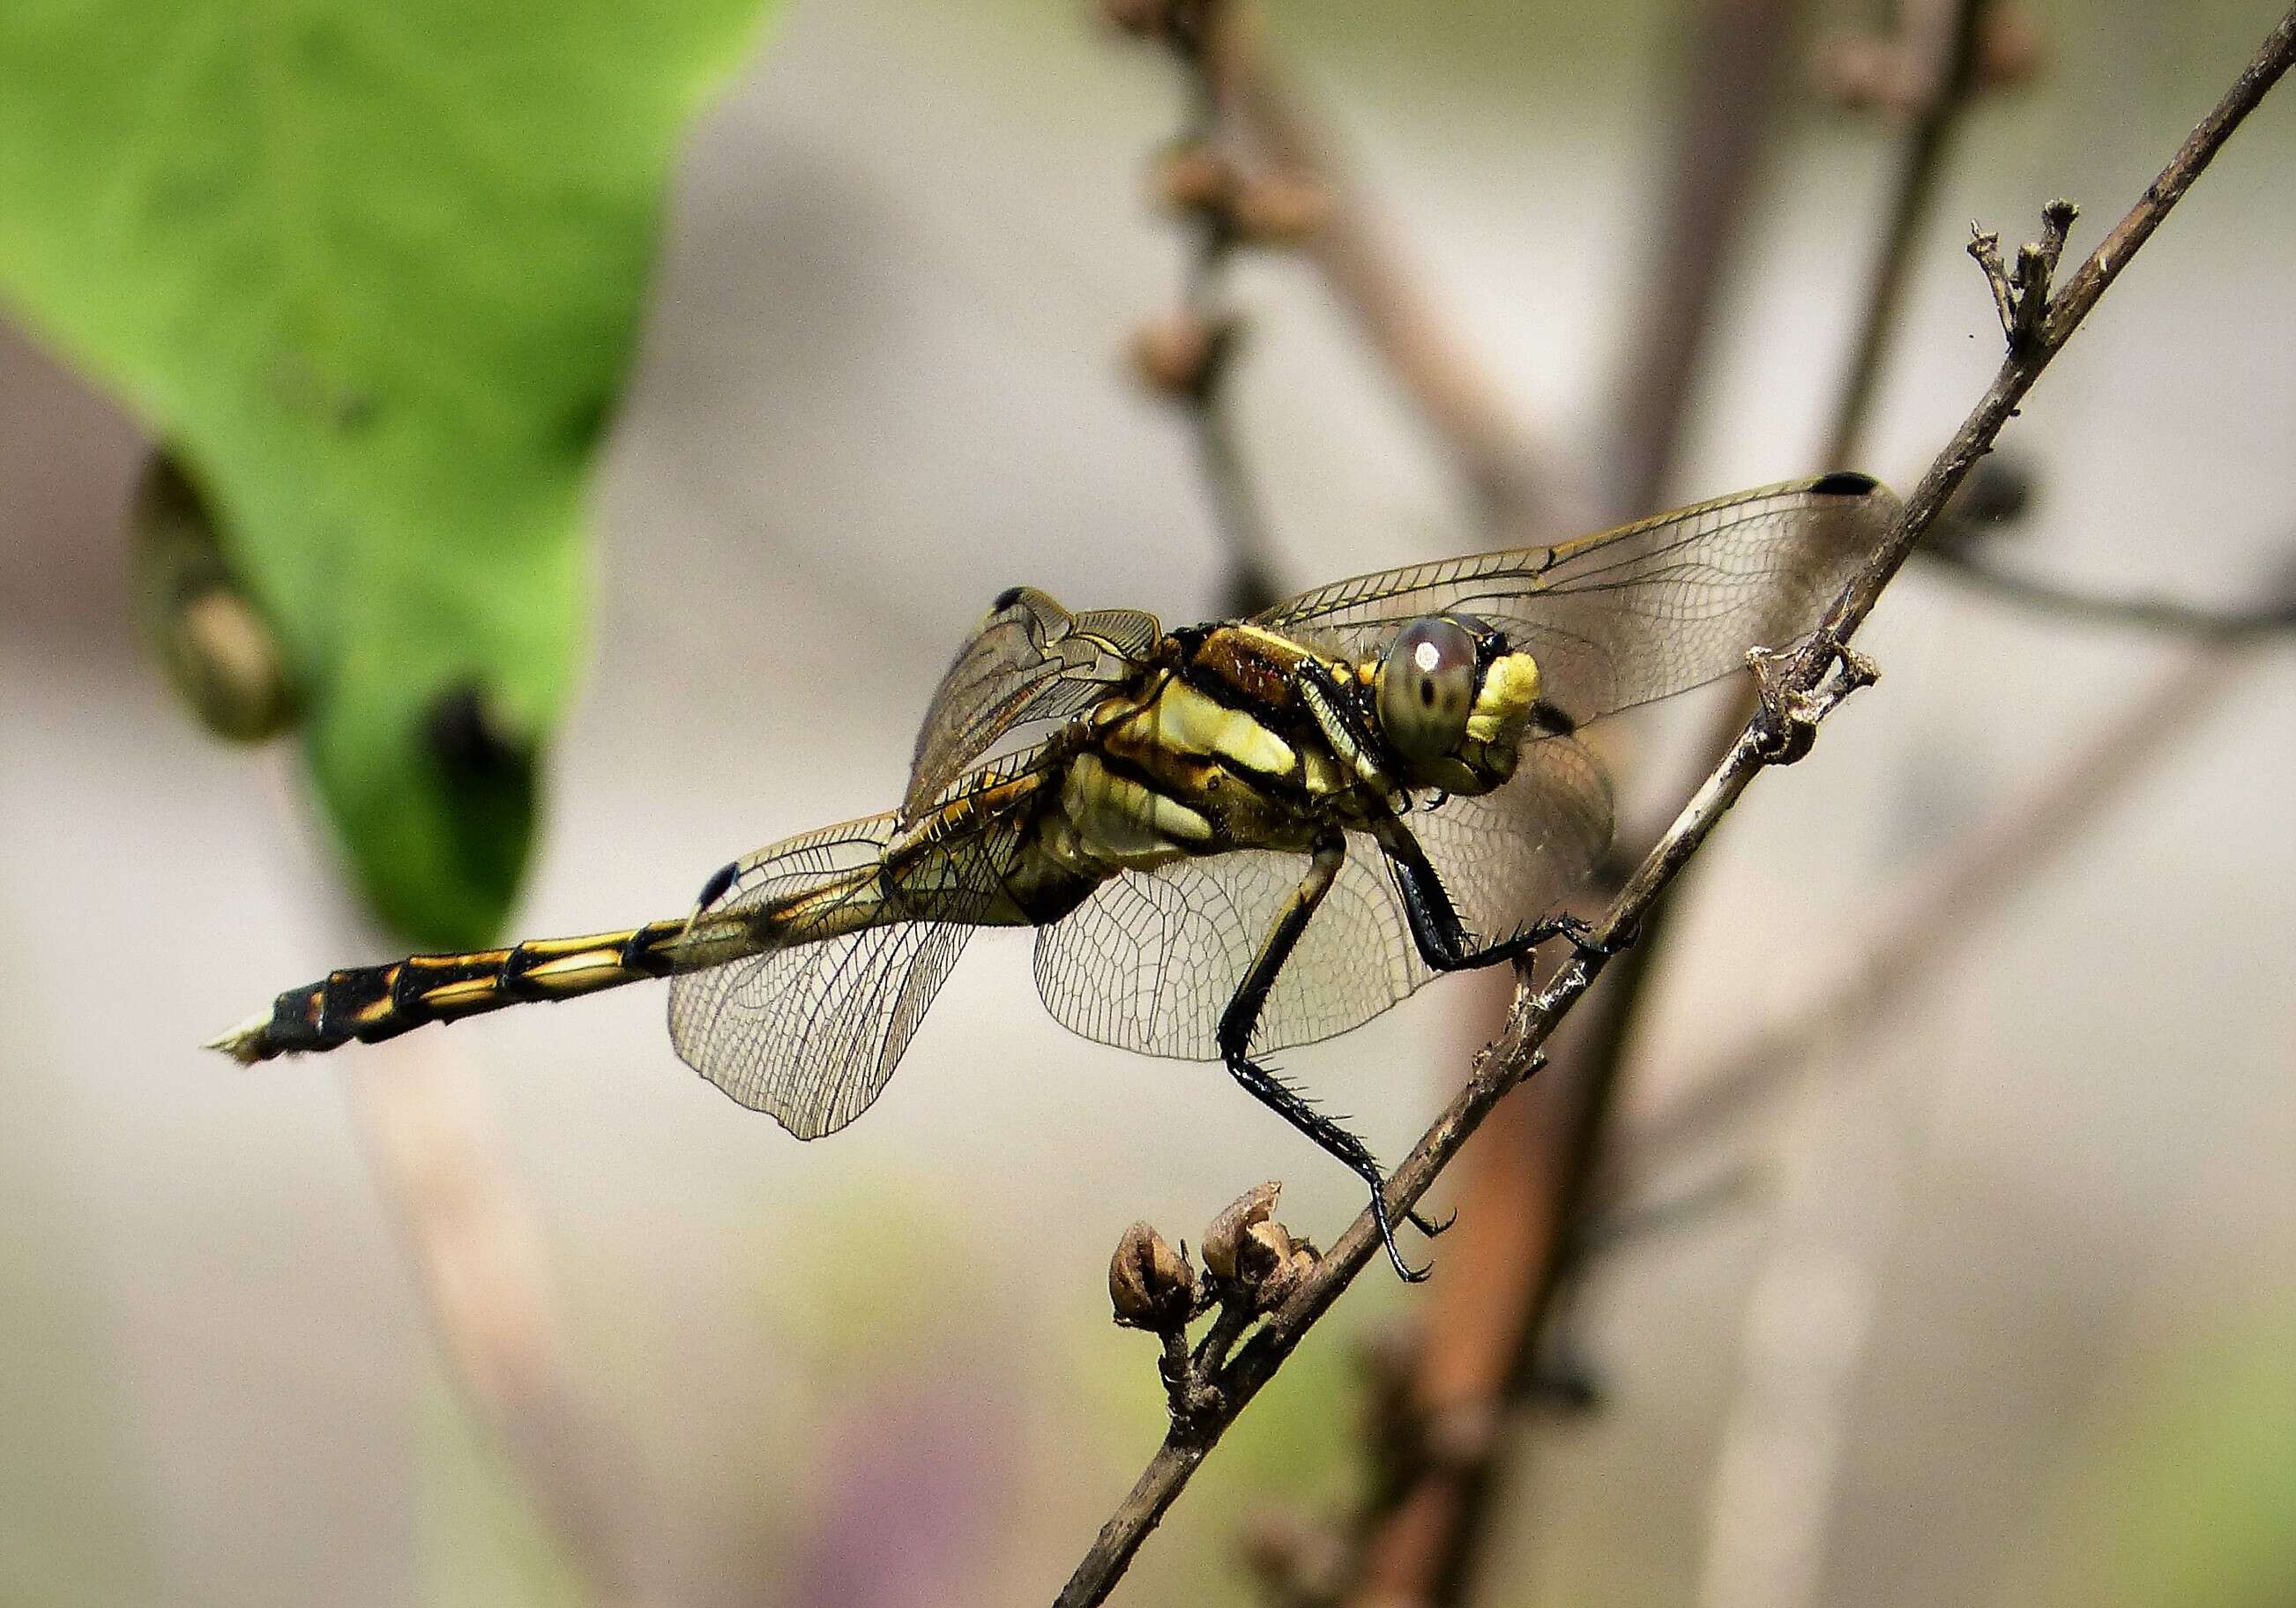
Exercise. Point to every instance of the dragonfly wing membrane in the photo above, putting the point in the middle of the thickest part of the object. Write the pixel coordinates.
(1031, 659)
(809, 1032)
(1640, 612)
(1510, 856)
(1150, 960)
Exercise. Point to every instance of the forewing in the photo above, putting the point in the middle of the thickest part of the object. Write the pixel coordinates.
(1031, 659)
(1149, 961)
(809, 1034)
(1639, 612)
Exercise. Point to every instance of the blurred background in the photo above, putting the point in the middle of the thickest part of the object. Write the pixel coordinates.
(2001, 1303)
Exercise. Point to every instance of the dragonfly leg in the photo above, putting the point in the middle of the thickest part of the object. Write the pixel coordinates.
(1442, 937)
(1242, 1016)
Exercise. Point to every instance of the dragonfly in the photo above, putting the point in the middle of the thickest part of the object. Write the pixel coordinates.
(1231, 837)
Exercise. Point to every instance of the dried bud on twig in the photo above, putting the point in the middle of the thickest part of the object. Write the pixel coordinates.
(1270, 1264)
(1142, 18)
(216, 647)
(1263, 1249)
(1179, 354)
(1192, 177)
(1223, 1239)
(1151, 1285)
(1903, 75)
(1278, 209)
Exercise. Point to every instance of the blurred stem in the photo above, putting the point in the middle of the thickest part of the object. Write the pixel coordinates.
(2274, 614)
(1739, 62)
(1250, 120)
(1516, 477)
(2001, 859)
(477, 1250)
(1531, 1176)
(1202, 37)
(1948, 76)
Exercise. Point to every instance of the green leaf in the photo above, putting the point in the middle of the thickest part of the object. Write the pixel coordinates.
(374, 272)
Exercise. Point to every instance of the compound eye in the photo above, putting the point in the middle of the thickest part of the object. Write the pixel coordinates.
(1427, 688)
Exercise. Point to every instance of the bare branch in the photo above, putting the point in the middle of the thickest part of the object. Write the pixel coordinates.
(1803, 690)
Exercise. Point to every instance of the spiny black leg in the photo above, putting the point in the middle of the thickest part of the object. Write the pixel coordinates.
(1242, 1016)
(1335, 1141)
(1435, 925)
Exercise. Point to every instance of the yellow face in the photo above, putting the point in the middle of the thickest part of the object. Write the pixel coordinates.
(1452, 710)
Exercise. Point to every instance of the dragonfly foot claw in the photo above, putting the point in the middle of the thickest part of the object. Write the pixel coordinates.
(1404, 1270)
(1430, 1229)
(1585, 938)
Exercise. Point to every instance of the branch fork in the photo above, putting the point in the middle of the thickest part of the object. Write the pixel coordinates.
(1797, 690)
(2021, 295)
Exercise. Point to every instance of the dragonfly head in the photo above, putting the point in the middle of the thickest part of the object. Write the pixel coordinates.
(1453, 700)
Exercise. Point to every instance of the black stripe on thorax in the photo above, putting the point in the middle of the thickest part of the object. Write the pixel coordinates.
(1289, 721)
(1124, 768)
(1289, 793)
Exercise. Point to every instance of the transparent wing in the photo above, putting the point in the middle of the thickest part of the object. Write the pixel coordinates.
(808, 1033)
(1514, 855)
(1150, 960)
(1639, 612)
(1031, 659)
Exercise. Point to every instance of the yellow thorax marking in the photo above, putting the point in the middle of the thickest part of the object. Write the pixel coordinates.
(1125, 821)
(1186, 721)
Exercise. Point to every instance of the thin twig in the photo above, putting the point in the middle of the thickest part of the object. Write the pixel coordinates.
(2222, 625)
(1804, 688)
(1985, 248)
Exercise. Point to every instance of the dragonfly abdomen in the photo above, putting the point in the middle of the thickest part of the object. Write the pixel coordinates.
(366, 1005)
